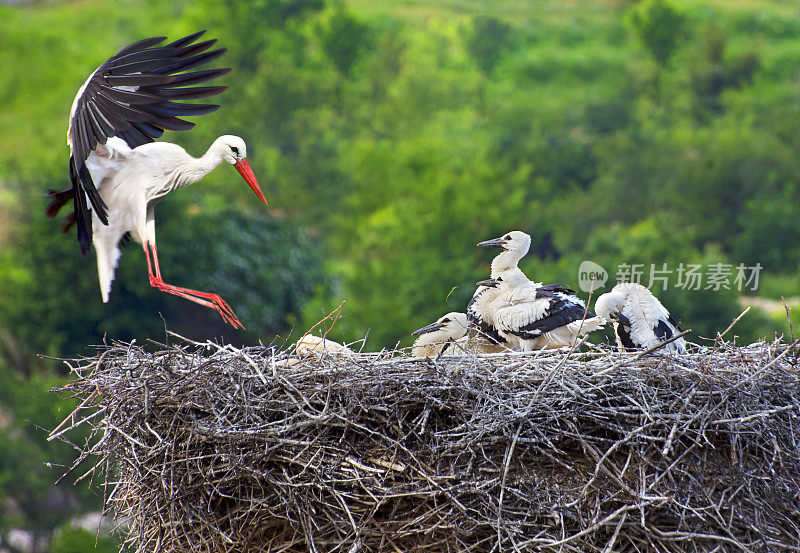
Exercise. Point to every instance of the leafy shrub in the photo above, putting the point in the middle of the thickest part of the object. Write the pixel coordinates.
(487, 40)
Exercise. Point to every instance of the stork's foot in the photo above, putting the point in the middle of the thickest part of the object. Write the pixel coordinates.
(206, 299)
(222, 307)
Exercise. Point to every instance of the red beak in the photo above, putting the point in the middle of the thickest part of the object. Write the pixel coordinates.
(247, 174)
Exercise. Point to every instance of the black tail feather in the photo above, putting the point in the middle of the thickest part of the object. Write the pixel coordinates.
(59, 200)
(69, 220)
(98, 204)
(81, 210)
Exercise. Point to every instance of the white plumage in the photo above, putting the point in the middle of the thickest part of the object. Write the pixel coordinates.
(449, 335)
(118, 173)
(510, 308)
(533, 316)
(436, 337)
(316, 345)
(514, 245)
(131, 181)
(640, 320)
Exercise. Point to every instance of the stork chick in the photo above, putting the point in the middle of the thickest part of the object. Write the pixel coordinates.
(435, 338)
(311, 344)
(532, 316)
(515, 245)
(640, 320)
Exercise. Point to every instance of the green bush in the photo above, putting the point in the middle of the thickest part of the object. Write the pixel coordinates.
(77, 540)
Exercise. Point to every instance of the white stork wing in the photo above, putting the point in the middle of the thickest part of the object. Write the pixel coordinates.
(474, 316)
(535, 310)
(132, 95)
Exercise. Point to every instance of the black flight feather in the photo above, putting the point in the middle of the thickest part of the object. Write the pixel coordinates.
(195, 77)
(662, 331)
(134, 137)
(558, 315)
(81, 211)
(143, 55)
(192, 92)
(140, 45)
(173, 124)
(197, 47)
(148, 129)
(155, 76)
(187, 39)
(125, 96)
(193, 61)
(139, 80)
(553, 288)
(175, 108)
(624, 333)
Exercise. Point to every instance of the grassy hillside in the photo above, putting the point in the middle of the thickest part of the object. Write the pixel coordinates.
(571, 131)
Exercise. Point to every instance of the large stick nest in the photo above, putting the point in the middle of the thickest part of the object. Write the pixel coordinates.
(204, 448)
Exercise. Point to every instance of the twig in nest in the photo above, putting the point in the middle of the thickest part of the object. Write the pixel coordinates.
(788, 318)
(662, 344)
(335, 314)
(730, 326)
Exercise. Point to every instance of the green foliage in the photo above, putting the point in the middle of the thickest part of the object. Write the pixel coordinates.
(487, 40)
(660, 27)
(265, 266)
(77, 540)
(29, 465)
(343, 39)
(711, 73)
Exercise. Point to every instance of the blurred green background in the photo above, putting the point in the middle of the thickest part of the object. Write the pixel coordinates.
(390, 136)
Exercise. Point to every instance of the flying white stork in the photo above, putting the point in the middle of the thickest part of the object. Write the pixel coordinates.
(118, 173)
(533, 316)
(640, 320)
(515, 245)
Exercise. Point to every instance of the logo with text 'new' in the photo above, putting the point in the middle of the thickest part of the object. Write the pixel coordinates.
(591, 276)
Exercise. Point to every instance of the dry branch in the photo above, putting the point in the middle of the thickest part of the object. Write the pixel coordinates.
(212, 449)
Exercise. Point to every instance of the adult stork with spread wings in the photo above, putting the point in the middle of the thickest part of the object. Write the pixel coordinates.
(118, 173)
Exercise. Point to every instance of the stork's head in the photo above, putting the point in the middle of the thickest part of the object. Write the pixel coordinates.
(448, 327)
(609, 305)
(514, 241)
(515, 245)
(233, 150)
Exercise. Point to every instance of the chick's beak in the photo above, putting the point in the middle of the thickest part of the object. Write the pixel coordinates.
(490, 283)
(250, 178)
(495, 243)
(425, 329)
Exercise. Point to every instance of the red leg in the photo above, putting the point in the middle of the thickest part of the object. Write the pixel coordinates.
(206, 299)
